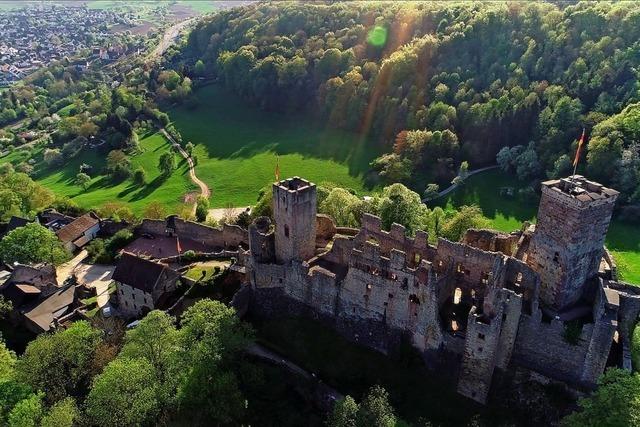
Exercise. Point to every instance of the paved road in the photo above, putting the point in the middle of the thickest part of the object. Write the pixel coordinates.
(454, 186)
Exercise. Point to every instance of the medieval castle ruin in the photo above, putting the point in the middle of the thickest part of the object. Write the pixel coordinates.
(544, 299)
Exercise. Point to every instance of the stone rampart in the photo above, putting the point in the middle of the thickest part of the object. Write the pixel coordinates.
(226, 237)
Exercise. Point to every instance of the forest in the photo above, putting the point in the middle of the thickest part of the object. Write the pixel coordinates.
(437, 84)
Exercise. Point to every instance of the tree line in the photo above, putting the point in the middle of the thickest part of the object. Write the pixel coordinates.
(442, 83)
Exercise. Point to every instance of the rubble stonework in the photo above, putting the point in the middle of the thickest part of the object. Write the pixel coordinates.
(567, 246)
(492, 302)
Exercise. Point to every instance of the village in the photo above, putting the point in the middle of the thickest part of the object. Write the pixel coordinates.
(154, 269)
(34, 37)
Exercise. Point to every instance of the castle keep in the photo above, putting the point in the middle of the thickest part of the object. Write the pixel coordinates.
(493, 302)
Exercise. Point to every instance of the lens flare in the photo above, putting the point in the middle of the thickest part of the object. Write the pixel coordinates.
(377, 36)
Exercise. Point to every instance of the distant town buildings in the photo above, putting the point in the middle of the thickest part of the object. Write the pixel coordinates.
(33, 37)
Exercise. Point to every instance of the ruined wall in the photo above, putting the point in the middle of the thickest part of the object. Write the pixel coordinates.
(491, 240)
(275, 303)
(415, 249)
(541, 346)
(267, 275)
(479, 359)
(325, 229)
(605, 313)
(511, 312)
(471, 266)
(378, 287)
(228, 236)
(261, 241)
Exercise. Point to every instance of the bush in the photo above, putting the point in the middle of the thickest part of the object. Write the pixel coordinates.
(189, 256)
(635, 348)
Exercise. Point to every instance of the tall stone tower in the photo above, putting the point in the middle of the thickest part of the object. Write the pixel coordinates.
(567, 245)
(294, 211)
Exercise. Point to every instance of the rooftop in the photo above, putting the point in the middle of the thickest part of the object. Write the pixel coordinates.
(76, 229)
(580, 188)
(140, 273)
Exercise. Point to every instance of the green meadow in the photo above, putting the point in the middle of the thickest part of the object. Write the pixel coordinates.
(508, 214)
(101, 190)
(237, 147)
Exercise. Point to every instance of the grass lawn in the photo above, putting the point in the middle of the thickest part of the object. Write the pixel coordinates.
(20, 155)
(236, 147)
(101, 190)
(208, 268)
(507, 214)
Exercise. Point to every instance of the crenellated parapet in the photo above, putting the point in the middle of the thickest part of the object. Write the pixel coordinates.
(485, 303)
(416, 248)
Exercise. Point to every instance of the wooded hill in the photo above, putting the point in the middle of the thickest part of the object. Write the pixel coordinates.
(440, 83)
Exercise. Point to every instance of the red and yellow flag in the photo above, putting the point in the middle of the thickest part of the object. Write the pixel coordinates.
(277, 171)
(579, 150)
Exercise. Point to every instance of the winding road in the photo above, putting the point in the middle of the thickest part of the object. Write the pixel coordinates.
(204, 189)
(452, 187)
(168, 38)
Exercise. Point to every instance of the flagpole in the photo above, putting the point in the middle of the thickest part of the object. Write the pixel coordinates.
(578, 152)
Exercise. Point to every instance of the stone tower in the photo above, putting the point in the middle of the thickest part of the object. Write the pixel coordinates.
(294, 211)
(567, 245)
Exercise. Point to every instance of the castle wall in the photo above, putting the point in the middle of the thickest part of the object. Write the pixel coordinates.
(471, 266)
(268, 275)
(541, 346)
(415, 249)
(375, 286)
(479, 359)
(228, 236)
(491, 240)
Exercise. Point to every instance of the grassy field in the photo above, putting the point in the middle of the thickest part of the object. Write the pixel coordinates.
(236, 147)
(101, 190)
(508, 213)
(147, 8)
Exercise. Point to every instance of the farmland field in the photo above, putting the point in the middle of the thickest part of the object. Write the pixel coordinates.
(237, 146)
(508, 213)
(101, 190)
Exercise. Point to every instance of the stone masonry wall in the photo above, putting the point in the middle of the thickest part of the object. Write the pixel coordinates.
(228, 236)
(567, 245)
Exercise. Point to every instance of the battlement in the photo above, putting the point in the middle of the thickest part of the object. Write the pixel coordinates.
(579, 191)
(495, 300)
(415, 249)
(293, 190)
(294, 184)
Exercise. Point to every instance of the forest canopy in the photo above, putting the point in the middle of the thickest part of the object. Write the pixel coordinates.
(442, 83)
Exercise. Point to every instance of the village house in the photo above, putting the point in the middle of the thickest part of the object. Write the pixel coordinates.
(142, 284)
(79, 232)
(37, 300)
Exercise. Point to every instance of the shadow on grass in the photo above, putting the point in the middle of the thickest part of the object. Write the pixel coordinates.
(149, 188)
(483, 190)
(228, 128)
